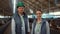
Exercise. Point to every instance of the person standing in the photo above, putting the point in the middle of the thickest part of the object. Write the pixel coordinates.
(39, 25)
(20, 21)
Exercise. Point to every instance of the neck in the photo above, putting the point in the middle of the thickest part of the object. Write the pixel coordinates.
(39, 19)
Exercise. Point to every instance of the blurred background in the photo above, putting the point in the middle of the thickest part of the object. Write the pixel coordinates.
(50, 9)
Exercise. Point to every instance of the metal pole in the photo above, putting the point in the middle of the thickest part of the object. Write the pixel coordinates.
(49, 5)
(14, 6)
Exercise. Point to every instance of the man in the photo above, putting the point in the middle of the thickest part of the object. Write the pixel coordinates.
(39, 25)
(20, 22)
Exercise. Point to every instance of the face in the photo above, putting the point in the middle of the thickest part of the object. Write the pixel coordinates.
(20, 9)
(38, 13)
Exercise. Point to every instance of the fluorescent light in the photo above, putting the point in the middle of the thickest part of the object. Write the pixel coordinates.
(5, 16)
(1, 16)
(29, 16)
(57, 13)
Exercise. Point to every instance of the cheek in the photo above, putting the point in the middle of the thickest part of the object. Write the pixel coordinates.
(37, 15)
(19, 9)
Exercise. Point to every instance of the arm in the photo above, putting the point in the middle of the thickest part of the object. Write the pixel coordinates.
(32, 29)
(13, 26)
(28, 27)
(48, 28)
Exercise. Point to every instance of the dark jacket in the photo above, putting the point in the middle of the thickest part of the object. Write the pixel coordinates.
(44, 27)
(18, 23)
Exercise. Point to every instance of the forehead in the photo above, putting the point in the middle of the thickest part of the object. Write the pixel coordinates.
(20, 7)
(38, 12)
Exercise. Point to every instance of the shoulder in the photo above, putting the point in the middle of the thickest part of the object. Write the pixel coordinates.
(44, 21)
